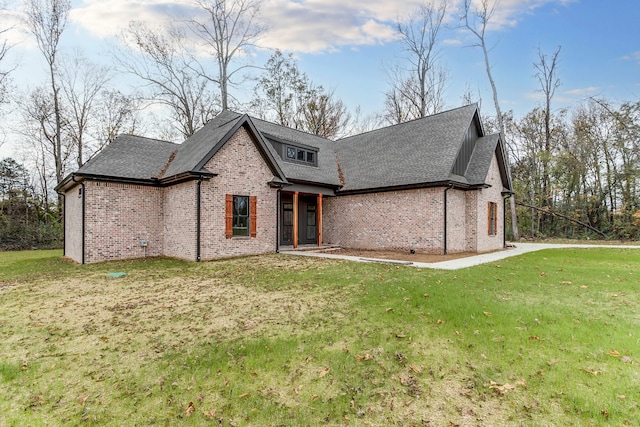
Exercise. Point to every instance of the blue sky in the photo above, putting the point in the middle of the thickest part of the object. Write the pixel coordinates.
(344, 45)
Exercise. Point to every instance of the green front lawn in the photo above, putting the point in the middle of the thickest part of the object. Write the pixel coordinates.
(548, 338)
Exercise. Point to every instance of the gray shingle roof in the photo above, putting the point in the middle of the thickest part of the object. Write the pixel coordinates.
(419, 152)
(481, 158)
(132, 157)
(416, 152)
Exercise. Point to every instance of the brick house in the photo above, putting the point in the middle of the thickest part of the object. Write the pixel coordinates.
(242, 186)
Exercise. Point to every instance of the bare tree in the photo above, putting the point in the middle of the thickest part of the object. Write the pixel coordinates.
(46, 20)
(160, 58)
(4, 71)
(82, 83)
(417, 91)
(476, 20)
(323, 114)
(279, 88)
(115, 114)
(39, 127)
(286, 96)
(231, 29)
(549, 82)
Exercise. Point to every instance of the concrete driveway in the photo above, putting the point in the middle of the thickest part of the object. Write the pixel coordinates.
(456, 264)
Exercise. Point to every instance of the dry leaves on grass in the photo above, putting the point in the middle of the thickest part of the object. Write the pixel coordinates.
(502, 389)
(190, 409)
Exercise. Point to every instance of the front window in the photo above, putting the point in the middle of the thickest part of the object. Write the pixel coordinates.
(240, 215)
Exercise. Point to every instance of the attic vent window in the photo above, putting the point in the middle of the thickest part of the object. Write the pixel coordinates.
(301, 155)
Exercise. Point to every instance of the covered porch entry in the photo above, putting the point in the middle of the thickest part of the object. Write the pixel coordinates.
(300, 219)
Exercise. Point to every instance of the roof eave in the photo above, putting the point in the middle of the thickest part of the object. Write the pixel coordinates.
(447, 183)
(183, 177)
(76, 177)
(320, 184)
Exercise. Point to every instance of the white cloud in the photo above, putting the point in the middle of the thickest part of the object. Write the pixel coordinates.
(106, 18)
(635, 56)
(297, 25)
(536, 96)
(452, 42)
(12, 27)
(509, 12)
(586, 91)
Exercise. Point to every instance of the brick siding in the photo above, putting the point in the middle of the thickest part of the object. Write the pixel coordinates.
(393, 220)
(241, 170)
(413, 219)
(180, 216)
(118, 217)
(493, 194)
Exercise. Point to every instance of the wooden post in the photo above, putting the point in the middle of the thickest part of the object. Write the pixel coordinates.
(319, 219)
(295, 220)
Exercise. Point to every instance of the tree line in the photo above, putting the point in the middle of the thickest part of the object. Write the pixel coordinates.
(575, 171)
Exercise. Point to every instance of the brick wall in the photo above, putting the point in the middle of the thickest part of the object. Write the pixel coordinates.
(73, 223)
(118, 217)
(242, 171)
(457, 217)
(413, 219)
(471, 206)
(179, 226)
(398, 220)
(485, 242)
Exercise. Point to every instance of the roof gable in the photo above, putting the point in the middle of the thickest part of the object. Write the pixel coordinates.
(485, 149)
(200, 147)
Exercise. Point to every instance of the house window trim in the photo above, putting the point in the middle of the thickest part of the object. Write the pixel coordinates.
(230, 218)
(298, 150)
(492, 219)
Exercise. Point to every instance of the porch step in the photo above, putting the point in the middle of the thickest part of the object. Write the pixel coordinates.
(310, 248)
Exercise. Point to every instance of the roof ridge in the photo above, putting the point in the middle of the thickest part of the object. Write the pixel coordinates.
(409, 121)
(146, 137)
(290, 128)
(240, 115)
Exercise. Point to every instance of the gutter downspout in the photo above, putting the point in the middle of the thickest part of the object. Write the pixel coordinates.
(64, 224)
(504, 219)
(84, 214)
(445, 216)
(278, 220)
(198, 214)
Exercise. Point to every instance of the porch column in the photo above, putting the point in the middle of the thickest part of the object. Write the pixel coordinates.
(319, 220)
(295, 220)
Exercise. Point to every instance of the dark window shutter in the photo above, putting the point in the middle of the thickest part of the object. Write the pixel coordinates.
(228, 216)
(253, 202)
(492, 218)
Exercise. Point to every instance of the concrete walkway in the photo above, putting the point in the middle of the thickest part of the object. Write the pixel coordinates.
(455, 264)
